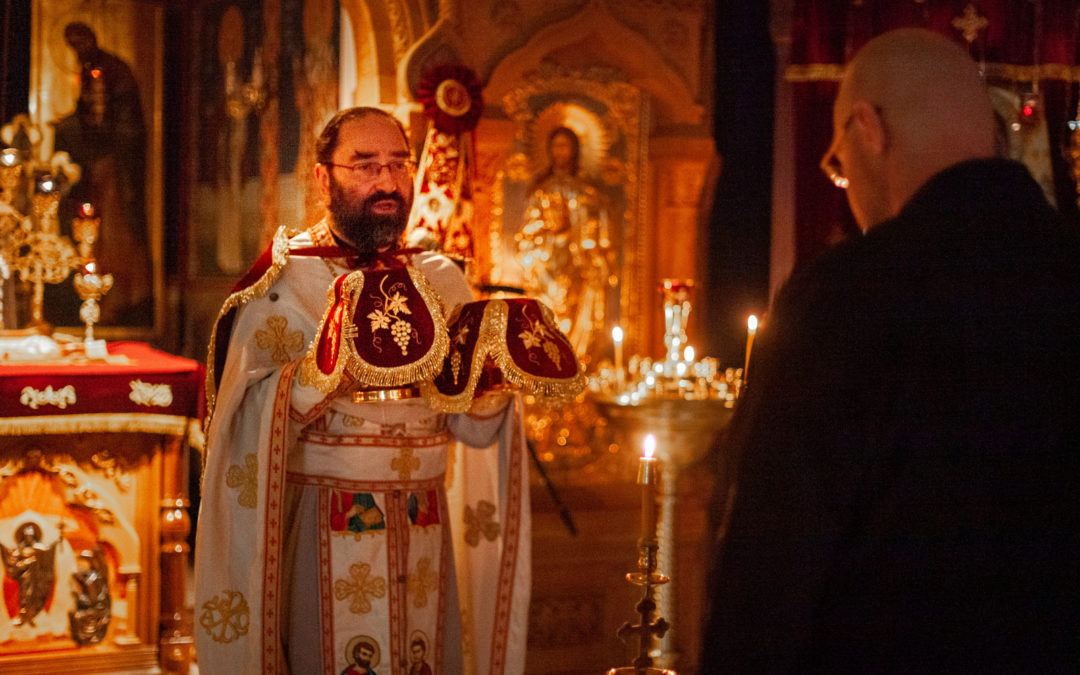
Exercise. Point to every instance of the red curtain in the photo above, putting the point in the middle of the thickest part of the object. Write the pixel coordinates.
(1022, 40)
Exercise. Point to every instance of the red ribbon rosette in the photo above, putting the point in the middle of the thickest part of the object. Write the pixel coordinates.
(384, 327)
(452, 99)
(514, 341)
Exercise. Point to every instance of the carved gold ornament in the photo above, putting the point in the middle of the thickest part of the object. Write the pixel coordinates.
(421, 582)
(480, 523)
(247, 479)
(144, 393)
(279, 340)
(359, 588)
(35, 398)
(226, 617)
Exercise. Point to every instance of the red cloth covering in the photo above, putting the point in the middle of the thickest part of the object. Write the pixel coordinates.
(101, 387)
(508, 342)
(826, 33)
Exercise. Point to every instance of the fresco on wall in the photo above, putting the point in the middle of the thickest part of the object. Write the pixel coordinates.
(265, 88)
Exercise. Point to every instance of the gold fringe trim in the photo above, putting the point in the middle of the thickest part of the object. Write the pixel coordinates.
(557, 389)
(491, 343)
(280, 257)
(834, 72)
(146, 423)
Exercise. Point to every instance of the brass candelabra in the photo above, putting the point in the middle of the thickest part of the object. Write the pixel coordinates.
(31, 244)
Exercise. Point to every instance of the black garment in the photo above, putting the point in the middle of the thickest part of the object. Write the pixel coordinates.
(907, 489)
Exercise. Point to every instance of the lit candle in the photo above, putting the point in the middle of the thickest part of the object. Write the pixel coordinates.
(688, 354)
(86, 210)
(751, 329)
(617, 338)
(647, 478)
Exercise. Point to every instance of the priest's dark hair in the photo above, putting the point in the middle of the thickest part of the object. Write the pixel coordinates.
(328, 139)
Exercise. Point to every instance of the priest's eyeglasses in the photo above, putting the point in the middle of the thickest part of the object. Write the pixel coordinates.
(368, 171)
(830, 165)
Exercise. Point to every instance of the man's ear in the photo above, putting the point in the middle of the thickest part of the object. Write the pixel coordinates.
(322, 179)
(871, 125)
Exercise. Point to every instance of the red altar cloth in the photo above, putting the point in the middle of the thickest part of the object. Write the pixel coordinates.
(150, 391)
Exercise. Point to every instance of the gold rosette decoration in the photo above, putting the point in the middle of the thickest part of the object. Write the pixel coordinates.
(441, 219)
(382, 328)
(505, 343)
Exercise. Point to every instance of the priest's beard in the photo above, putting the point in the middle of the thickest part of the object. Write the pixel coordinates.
(356, 222)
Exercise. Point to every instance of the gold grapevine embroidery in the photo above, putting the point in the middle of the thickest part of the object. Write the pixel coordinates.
(390, 317)
(536, 334)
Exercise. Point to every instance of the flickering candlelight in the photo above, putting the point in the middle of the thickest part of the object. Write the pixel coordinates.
(751, 329)
(648, 478)
(617, 339)
(86, 210)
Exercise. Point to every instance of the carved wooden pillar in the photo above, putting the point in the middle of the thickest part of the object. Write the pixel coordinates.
(176, 639)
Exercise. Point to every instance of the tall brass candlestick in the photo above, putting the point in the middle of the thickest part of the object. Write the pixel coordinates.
(648, 627)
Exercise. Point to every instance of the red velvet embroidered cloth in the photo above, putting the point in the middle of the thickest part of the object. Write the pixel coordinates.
(149, 382)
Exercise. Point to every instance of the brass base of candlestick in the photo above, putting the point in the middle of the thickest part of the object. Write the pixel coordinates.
(631, 670)
(647, 629)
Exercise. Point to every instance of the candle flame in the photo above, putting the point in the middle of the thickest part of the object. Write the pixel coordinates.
(751, 324)
(617, 334)
(86, 210)
(688, 354)
(649, 446)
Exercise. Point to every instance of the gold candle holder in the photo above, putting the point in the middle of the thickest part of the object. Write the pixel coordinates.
(91, 286)
(85, 227)
(647, 629)
(10, 174)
